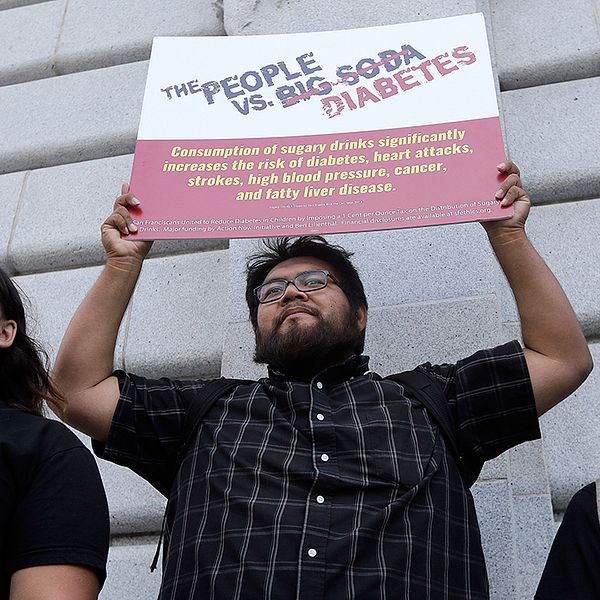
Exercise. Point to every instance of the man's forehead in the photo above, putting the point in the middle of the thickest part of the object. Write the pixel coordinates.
(288, 269)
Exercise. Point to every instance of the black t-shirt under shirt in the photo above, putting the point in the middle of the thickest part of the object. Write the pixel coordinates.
(53, 506)
(572, 570)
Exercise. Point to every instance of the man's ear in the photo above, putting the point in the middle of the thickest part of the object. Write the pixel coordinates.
(8, 331)
(361, 313)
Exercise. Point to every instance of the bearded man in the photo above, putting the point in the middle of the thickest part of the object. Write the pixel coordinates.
(323, 480)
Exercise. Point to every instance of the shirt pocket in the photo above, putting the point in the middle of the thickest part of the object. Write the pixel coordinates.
(401, 441)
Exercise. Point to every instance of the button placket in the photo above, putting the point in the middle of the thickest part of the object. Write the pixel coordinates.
(323, 431)
(318, 519)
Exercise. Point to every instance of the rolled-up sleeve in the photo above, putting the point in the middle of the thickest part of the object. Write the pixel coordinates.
(492, 400)
(148, 425)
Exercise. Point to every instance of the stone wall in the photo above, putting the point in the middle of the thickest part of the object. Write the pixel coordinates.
(71, 84)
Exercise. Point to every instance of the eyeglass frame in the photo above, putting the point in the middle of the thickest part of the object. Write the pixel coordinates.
(287, 282)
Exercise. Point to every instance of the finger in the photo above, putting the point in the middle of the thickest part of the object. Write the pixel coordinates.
(123, 212)
(124, 188)
(513, 194)
(127, 199)
(508, 167)
(118, 222)
(509, 182)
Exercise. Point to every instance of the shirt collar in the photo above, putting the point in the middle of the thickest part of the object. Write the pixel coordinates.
(352, 367)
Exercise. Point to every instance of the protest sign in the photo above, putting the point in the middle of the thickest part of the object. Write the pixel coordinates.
(357, 130)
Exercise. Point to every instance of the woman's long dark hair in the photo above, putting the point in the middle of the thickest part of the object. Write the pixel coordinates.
(24, 379)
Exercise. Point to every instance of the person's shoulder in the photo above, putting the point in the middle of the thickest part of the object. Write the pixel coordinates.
(30, 442)
(58, 431)
(30, 430)
(584, 499)
(16, 421)
(582, 512)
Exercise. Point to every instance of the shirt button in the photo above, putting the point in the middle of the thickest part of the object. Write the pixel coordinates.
(320, 499)
(324, 457)
(319, 385)
(312, 552)
(320, 417)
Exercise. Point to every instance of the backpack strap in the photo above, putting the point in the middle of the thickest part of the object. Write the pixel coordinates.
(427, 389)
(210, 393)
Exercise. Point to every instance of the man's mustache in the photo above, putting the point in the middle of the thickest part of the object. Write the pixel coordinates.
(295, 307)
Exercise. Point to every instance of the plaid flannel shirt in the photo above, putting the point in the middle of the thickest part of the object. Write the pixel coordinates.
(340, 487)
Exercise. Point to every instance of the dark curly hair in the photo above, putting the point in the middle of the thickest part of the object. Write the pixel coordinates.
(276, 250)
(24, 379)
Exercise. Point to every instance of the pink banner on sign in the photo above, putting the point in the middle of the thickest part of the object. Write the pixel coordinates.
(334, 183)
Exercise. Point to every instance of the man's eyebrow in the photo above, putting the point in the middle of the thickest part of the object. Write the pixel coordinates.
(274, 279)
(281, 278)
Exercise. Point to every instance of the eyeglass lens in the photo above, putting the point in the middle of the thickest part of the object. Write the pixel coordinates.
(305, 282)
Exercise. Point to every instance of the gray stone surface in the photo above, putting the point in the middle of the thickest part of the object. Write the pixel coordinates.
(134, 505)
(71, 118)
(528, 474)
(61, 213)
(495, 469)
(403, 266)
(571, 434)
(534, 530)
(123, 30)
(54, 298)
(238, 349)
(177, 322)
(494, 508)
(568, 49)
(29, 37)
(566, 236)
(512, 331)
(129, 576)
(10, 192)
(248, 17)
(5, 4)
(398, 337)
(549, 135)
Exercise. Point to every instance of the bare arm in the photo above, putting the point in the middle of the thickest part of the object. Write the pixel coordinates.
(54, 582)
(85, 359)
(556, 351)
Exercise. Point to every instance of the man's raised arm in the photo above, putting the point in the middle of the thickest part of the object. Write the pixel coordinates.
(556, 351)
(83, 371)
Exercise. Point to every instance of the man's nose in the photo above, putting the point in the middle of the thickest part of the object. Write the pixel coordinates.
(292, 293)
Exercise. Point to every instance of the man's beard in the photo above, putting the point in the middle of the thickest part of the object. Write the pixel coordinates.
(305, 349)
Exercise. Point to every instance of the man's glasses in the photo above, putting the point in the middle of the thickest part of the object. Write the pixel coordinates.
(309, 281)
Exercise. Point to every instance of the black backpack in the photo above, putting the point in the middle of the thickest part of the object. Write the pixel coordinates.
(417, 383)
